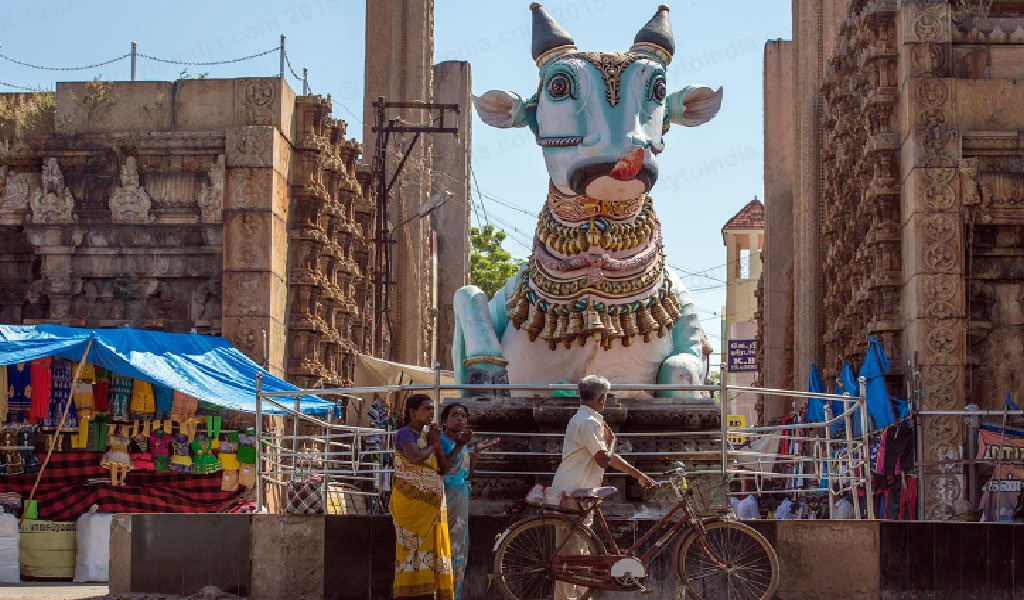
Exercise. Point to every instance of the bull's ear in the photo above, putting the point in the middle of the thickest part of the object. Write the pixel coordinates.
(501, 109)
(694, 105)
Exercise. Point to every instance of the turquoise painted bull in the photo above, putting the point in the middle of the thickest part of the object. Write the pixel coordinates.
(596, 295)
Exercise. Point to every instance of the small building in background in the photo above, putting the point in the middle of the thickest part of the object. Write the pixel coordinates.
(743, 236)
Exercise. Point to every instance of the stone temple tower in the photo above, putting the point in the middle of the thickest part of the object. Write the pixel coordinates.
(399, 68)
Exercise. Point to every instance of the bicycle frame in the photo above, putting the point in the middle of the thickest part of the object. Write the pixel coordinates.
(593, 571)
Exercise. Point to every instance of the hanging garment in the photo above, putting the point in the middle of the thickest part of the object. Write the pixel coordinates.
(40, 394)
(120, 396)
(19, 387)
(60, 397)
(143, 404)
(101, 390)
(163, 396)
(899, 449)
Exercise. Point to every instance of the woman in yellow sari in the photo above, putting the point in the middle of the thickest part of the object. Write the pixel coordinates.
(423, 560)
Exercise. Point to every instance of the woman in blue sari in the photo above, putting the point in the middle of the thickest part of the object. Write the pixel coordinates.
(455, 445)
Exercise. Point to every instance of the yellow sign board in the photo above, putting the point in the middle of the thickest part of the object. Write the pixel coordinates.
(737, 422)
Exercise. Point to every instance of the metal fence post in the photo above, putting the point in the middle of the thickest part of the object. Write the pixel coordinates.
(135, 49)
(828, 459)
(849, 456)
(295, 436)
(281, 52)
(724, 409)
(866, 441)
(259, 443)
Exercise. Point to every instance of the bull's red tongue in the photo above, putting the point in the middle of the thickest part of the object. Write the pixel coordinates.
(629, 165)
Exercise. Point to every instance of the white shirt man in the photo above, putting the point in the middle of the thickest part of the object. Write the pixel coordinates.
(587, 450)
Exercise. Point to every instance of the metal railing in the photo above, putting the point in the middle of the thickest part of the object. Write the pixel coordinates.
(347, 460)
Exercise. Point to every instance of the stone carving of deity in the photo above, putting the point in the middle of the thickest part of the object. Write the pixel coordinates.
(53, 202)
(130, 203)
(211, 198)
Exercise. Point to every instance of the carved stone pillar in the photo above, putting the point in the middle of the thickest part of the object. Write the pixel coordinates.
(933, 244)
(255, 294)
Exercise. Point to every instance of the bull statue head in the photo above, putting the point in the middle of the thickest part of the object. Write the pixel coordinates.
(600, 117)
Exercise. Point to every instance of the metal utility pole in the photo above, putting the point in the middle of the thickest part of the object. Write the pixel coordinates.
(383, 262)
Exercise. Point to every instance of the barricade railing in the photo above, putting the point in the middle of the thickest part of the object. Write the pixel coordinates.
(343, 460)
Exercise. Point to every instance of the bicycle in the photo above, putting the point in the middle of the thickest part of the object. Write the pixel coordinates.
(714, 558)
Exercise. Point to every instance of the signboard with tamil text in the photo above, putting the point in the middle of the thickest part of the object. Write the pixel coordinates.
(742, 356)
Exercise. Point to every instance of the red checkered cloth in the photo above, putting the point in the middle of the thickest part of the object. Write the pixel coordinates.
(65, 494)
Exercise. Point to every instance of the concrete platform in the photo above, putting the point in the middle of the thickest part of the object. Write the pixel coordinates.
(279, 557)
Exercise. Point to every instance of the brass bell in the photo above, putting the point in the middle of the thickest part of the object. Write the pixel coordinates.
(610, 330)
(575, 325)
(658, 312)
(536, 324)
(592, 322)
(672, 307)
(550, 324)
(520, 313)
(628, 320)
(644, 321)
(561, 321)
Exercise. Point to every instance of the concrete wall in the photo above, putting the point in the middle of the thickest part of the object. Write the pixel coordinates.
(352, 557)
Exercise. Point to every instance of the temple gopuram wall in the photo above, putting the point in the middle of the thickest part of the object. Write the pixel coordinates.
(224, 206)
(908, 221)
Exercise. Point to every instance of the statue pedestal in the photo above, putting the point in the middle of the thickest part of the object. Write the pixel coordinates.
(690, 429)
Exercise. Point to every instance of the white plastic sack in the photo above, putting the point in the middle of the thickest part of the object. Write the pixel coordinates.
(92, 561)
(10, 569)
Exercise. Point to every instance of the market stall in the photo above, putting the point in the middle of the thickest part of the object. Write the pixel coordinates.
(124, 420)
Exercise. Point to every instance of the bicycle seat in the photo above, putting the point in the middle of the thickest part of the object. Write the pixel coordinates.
(594, 493)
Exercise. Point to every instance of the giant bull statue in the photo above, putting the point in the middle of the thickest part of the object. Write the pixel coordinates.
(596, 295)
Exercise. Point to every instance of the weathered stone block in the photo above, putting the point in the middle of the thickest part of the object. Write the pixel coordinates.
(250, 294)
(935, 296)
(990, 105)
(256, 189)
(113, 106)
(294, 544)
(924, 21)
(926, 102)
(204, 104)
(246, 334)
(925, 60)
(248, 240)
(264, 101)
(251, 147)
(933, 243)
(928, 190)
(937, 341)
(801, 546)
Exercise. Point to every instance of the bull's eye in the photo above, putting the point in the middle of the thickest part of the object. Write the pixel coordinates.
(659, 90)
(559, 86)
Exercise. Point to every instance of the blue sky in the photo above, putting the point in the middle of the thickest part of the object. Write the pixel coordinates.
(707, 173)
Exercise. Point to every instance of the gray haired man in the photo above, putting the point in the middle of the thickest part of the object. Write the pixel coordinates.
(588, 448)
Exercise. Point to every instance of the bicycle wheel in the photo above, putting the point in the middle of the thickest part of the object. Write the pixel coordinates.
(750, 570)
(522, 561)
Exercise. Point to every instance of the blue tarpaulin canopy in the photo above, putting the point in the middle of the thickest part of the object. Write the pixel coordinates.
(206, 367)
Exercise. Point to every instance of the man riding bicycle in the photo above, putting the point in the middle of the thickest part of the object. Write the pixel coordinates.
(587, 450)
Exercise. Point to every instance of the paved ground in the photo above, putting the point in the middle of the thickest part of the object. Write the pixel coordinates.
(52, 591)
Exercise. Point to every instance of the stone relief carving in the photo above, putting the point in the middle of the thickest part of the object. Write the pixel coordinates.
(941, 295)
(250, 147)
(941, 252)
(205, 303)
(16, 191)
(52, 203)
(211, 198)
(256, 98)
(943, 343)
(927, 21)
(130, 203)
(940, 389)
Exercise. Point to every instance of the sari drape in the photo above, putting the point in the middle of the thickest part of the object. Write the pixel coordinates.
(423, 567)
(456, 491)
